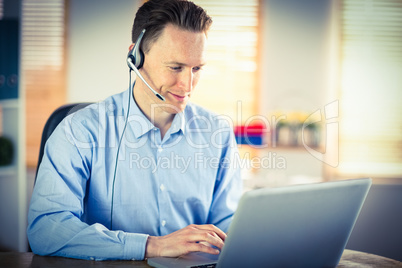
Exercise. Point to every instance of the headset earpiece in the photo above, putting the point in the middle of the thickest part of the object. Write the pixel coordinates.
(135, 54)
(135, 60)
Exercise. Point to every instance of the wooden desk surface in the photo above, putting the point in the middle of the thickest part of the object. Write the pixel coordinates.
(350, 258)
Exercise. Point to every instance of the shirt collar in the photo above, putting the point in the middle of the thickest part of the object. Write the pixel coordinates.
(179, 123)
(140, 123)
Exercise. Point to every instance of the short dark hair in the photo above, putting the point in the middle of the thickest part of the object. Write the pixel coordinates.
(154, 15)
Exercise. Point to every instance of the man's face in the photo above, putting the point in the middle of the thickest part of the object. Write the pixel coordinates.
(174, 63)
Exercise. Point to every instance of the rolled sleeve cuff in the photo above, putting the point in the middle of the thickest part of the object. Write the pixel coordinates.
(135, 246)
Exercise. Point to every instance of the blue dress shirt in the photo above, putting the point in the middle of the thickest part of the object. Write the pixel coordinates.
(86, 206)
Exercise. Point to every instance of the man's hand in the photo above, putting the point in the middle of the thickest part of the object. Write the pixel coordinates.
(189, 239)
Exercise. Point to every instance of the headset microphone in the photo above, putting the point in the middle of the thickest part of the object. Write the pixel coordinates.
(135, 60)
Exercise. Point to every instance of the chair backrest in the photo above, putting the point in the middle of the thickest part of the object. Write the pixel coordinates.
(55, 118)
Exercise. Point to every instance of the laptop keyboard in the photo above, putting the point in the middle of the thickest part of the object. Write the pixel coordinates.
(212, 265)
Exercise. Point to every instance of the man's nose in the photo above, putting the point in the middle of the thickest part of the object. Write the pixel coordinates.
(186, 80)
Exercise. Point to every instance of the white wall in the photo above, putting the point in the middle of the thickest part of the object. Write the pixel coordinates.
(296, 67)
(295, 58)
(99, 34)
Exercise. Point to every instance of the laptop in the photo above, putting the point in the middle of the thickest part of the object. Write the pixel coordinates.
(294, 226)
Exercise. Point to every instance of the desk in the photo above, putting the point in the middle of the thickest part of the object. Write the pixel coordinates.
(349, 258)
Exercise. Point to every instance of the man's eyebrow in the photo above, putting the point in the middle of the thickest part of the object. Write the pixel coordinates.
(181, 64)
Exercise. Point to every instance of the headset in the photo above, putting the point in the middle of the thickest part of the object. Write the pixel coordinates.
(135, 60)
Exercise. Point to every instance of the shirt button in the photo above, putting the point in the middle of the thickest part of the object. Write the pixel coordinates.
(163, 223)
(162, 187)
(160, 149)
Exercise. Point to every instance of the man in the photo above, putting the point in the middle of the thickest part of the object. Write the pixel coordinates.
(134, 176)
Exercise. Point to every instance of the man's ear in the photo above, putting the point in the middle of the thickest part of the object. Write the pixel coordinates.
(131, 47)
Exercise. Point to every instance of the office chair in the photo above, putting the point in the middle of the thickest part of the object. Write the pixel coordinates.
(55, 118)
(52, 122)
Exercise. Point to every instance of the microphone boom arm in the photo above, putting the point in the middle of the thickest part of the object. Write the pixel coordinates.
(130, 63)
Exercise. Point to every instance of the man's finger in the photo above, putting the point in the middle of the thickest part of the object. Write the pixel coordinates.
(203, 235)
(215, 229)
(201, 247)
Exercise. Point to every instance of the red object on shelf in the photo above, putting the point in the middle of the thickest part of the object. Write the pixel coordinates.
(250, 130)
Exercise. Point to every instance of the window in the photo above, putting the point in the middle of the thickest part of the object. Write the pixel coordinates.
(230, 75)
(43, 65)
(371, 89)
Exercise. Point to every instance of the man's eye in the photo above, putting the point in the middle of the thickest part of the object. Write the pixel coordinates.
(176, 68)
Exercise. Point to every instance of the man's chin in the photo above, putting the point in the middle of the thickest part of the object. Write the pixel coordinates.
(173, 109)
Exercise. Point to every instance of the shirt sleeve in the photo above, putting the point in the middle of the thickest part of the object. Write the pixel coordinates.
(228, 187)
(55, 227)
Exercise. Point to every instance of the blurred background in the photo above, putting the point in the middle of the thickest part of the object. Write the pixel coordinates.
(313, 89)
